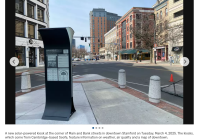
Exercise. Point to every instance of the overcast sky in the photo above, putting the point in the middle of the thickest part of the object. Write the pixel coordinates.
(75, 13)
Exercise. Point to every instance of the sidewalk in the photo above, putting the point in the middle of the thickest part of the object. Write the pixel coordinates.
(98, 100)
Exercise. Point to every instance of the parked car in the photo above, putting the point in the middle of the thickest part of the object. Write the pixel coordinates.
(72, 59)
(77, 59)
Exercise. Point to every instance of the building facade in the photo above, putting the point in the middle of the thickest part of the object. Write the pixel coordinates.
(110, 47)
(30, 15)
(124, 35)
(101, 22)
(176, 34)
(160, 50)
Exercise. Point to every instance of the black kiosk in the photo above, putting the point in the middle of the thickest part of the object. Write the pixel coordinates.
(58, 73)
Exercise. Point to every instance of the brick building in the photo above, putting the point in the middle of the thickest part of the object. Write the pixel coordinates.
(124, 36)
(101, 22)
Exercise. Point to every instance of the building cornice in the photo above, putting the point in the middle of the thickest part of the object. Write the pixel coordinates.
(176, 7)
(156, 5)
(134, 10)
(114, 28)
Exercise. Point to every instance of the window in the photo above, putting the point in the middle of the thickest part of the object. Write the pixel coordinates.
(130, 44)
(127, 20)
(177, 14)
(117, 33)
(20, 54)
(41, 1)
(166, 36)
(138, 25)
(176, 1)
(160, 14)
(165, 26)
(157, 28)
(30, 10)
(19, 6)
(166, 12)
(131, 27)
(130, 18)
(157, 16)
(41, 56)
(127, 28)
(160, 27)
(19, 28)
(138, 16)
(127, 37)
(39, 36)
(40, 15)
(31, 31)
(127, 45)
(131, 35)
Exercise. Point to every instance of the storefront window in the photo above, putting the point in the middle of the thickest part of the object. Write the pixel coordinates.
(20, 54)
(163, 52)
(41, 56)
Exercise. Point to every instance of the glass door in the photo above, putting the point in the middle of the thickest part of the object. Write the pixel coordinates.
(32, 57)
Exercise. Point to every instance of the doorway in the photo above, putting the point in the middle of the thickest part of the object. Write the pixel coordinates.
(32, 57)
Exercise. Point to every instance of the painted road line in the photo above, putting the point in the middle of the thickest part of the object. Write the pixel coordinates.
(154, 69)
(132, 83)
(76, 76)
(40, 75)
(137, 83)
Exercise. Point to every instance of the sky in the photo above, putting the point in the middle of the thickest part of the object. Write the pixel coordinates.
(75, 13)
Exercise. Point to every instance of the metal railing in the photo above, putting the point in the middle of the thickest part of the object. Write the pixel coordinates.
(174, 89)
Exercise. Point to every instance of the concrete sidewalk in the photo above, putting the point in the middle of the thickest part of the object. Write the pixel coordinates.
(98, 100)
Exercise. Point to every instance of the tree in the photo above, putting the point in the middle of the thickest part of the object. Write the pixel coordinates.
(168, 33)
(112, 47)
(143, 32)
(79, 52)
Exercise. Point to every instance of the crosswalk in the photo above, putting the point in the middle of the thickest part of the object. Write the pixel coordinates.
(43, 74)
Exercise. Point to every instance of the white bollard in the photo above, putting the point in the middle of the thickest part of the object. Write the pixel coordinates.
(25, 82)
(122, 78)
(154, 89)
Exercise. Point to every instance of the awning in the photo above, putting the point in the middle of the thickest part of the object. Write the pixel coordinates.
(176, 49)
(131, 51)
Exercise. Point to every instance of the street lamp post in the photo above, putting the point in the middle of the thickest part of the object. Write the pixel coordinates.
(154, 35)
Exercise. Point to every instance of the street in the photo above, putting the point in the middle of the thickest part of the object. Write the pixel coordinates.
(137, 77)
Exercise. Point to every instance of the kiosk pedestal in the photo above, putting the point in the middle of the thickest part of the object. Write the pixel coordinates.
(58, 73)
